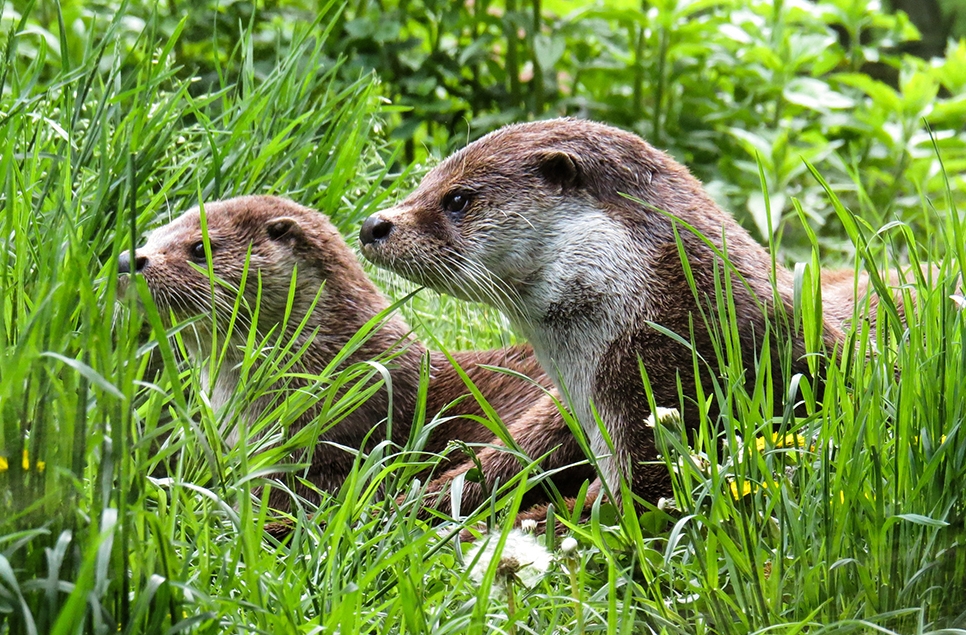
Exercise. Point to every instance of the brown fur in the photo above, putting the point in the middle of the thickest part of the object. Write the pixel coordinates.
(547, 236)
(277, 236)
(843, 292)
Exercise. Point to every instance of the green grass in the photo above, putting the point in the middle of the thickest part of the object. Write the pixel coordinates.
(141, 520)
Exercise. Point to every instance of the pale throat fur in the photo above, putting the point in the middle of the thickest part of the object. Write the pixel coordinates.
(589, 287)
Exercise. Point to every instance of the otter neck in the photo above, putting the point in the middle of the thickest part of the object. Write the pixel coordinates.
(590, 292)
(317, 344)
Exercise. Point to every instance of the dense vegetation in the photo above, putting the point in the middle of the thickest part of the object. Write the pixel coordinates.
(122, 509)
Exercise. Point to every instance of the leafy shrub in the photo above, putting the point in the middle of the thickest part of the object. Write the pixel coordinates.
(728, 87)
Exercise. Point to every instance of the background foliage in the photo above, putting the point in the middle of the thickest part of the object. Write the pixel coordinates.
(115, 117)
(723, 85)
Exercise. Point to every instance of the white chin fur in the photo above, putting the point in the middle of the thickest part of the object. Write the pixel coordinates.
(582, 245)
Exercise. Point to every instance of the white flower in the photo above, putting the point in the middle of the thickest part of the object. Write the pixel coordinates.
(666, 416)
(528, 526)
(667, 504)
(959, 300)
(523, 560)
(568, 546)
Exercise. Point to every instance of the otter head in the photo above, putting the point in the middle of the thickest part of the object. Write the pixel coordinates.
(481, 224)
(523, 218)
(259, 246)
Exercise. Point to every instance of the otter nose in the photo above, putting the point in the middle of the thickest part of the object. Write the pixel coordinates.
(374, 229)
(124, 262)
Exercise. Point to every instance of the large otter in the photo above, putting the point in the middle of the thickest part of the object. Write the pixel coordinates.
(286, 244)
(535, 220)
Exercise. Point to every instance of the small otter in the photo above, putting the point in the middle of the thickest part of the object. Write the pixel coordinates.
(286, 244)
(533, 219)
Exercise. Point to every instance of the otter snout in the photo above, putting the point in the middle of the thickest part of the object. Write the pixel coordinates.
(375, 229)
(124, 262)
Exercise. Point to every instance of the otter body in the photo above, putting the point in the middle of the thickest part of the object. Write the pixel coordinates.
(285, 242)
(534, 220)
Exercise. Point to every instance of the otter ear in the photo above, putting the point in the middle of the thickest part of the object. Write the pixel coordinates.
(283, 227)
(560, 168)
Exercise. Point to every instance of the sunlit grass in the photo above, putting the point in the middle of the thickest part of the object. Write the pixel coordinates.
(123, 510)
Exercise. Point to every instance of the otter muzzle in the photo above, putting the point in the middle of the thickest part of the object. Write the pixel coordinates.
(375, 229)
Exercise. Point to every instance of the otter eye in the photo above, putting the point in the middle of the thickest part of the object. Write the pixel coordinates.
(198, 251)
(456, 202)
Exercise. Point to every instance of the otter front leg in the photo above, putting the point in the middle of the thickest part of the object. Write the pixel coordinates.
(539, 431)
(538, 513)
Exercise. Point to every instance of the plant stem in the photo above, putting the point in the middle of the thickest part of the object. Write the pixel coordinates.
(512, 61)
(659, 85)
(638, 71)
(575, 593)
(511, 607)
(537, 69)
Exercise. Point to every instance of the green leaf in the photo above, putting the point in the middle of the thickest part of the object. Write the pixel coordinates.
(918, 93)
(919, 519)
(89, 373)
(547, 50)
(815, 94)
(882, 94)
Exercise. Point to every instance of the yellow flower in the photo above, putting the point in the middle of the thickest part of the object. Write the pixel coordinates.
(786, 441)
(746, 488)
(4, 465)
(761, 443)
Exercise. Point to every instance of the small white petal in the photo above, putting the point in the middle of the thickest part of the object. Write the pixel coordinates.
(532, 558)
(667, 414)
(664, 415)
(568, 546)
(667, 504)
